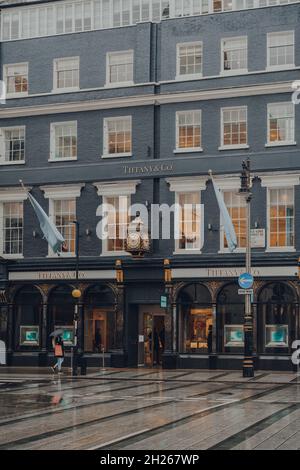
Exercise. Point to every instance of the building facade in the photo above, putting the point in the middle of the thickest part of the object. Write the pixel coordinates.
(133, 102)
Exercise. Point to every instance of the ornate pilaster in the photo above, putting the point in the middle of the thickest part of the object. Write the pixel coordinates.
(169, 359)
(118, 358)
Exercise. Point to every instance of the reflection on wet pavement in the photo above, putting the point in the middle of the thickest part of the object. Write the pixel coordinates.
(149, 409)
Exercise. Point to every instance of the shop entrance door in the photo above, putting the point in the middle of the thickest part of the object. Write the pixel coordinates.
(95, 330)
(152, 336)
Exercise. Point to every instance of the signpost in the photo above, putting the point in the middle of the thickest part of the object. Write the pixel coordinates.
(258, 238)
(246, 281)
(245, 291)
(164, 300)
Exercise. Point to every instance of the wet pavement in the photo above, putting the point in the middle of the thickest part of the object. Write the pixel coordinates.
(149, 409)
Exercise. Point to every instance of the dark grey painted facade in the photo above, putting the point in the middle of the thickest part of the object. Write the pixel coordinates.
(153, 137)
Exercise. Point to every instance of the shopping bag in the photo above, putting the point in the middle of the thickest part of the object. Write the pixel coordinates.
(58, 350)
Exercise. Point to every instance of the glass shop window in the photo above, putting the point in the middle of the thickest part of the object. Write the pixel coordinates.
(195, 319)
(230, 320)
(277, 310)
(28, 314)
(61, 306)
(100, 325)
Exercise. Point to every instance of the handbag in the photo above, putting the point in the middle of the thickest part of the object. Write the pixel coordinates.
(58, 350)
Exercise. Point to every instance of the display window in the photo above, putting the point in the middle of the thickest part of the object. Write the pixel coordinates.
(29, 335)
(100, 322)
(195, 319)
(28, 305)
(276, 318)
(61, 307)
(230, 320)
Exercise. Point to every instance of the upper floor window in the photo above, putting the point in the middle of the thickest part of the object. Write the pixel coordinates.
(234, 127)
(64, 214)
(117, 136)
(189, 60)
(66, 73)
(117, 222)
(236, 206)
(281, 217)
(119, 68)
(188, 130)
(12, 228)
(281, 124)
(63, 144)
(12, 145)
(281, 49)
(16, 79)
(85, 15)
(189, 220)
(234, 55)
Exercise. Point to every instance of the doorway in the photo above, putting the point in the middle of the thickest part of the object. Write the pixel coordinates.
(95, 330)
(151, 335)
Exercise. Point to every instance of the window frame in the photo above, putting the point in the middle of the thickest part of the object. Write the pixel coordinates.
(18, 200)
(2, 145)
(177, 219)
(286, 248)
(17, 94)
(177, 137)
(106, 153)
(232, 146)
(108, 83)
(224, 249)
(191, 76)
(105, 241)
(279, 67)
(52, 215)
(57, 89)
(235, 71)
(278, 142)
(53, 127)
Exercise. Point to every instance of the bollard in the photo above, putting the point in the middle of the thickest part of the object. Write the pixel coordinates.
(103, 358)
(83, 365)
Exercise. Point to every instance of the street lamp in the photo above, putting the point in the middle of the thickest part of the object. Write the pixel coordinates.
(76, 294)
(248, 366)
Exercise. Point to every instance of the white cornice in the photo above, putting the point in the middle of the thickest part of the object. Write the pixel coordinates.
(231, 182)
(187, 184)
(279, 180)
(146, 100)
(117, 188)
(13, 194)
(62, 191)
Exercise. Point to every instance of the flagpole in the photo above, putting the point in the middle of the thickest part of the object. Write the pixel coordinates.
(23, 187)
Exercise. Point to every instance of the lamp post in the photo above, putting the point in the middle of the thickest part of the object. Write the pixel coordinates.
(248, 366)
(76, 294)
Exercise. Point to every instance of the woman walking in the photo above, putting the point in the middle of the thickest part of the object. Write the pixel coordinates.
(58, 346)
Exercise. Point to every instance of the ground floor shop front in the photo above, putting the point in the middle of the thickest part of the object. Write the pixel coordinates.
(122, 322)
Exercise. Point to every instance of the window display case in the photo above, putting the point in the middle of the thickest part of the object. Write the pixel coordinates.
(29, 335)
(233, 335)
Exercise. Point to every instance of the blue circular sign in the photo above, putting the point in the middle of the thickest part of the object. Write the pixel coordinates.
(246, 281)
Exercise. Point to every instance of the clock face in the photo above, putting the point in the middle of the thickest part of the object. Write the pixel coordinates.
(133, 241)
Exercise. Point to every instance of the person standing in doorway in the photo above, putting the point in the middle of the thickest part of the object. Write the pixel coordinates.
(58, 346)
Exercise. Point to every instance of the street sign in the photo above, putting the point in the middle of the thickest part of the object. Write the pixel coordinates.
(245, 281)
(258, 238)
(164, 301)
(245, 291)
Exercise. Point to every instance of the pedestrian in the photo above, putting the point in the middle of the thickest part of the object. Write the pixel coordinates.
(58, 346)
